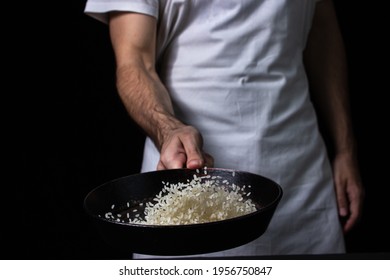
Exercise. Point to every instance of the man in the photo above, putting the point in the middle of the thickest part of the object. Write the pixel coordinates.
(226, 83)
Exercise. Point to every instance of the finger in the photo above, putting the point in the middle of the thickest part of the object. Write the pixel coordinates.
(194, 157)
(195, 163)
(194, 153)
(355, 210)
(350, 222)
(352, 219)
(160, 165)
(175, 161)
(342, 200)
(178, 162)
(209, 160)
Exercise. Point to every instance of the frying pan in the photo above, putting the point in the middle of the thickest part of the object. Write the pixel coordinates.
(123, 196)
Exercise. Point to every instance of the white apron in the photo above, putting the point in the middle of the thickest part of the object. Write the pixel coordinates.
(234, 70)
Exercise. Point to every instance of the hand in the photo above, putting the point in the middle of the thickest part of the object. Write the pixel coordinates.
(349, 189)
(183, 148)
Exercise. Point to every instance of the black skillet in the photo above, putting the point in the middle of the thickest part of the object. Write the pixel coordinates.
(123, 196)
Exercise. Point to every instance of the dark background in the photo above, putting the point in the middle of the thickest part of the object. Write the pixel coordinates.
(74, 133)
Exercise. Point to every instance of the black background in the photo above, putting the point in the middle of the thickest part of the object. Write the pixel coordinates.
(73, 134)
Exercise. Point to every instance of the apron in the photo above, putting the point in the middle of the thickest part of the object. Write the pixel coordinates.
(234, 70)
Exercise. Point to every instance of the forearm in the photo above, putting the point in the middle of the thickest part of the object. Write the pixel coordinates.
(326, 65)
(146, 100)
(133, 38)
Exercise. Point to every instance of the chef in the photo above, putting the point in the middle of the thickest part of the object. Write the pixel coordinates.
(243, 84)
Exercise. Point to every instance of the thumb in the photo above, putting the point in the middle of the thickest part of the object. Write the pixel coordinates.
(192, 144)
(194, 159)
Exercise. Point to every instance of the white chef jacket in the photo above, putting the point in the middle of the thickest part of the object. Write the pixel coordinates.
(234, 70)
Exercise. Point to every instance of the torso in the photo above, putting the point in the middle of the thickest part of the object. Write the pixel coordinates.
(234, 70)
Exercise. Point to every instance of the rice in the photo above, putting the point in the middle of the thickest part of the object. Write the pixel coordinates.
(200, 200)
